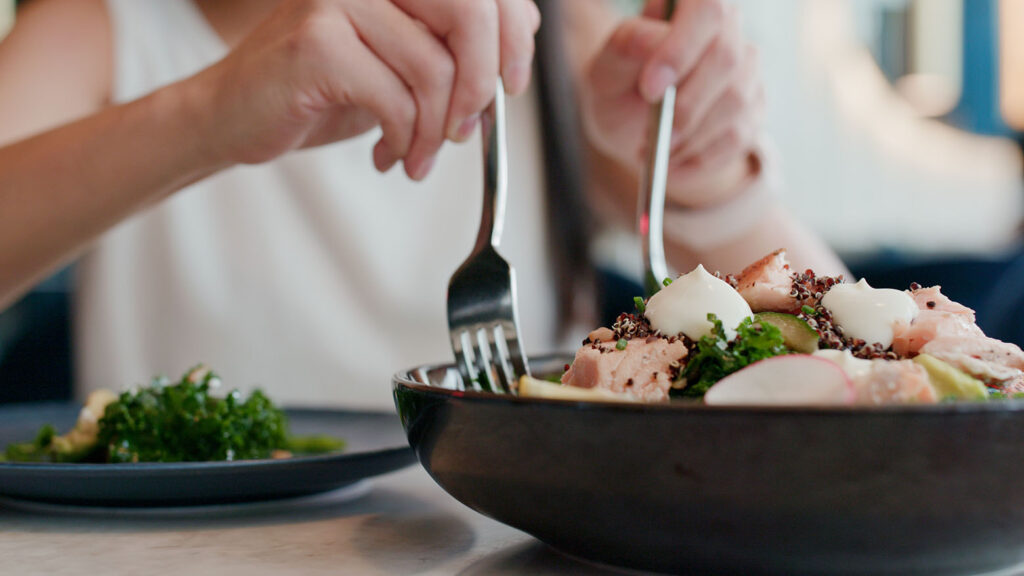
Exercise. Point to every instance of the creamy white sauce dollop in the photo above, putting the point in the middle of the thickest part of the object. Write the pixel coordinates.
(869, 313)
(683, 306)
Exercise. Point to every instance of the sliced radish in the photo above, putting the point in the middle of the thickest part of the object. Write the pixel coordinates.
(789, 380)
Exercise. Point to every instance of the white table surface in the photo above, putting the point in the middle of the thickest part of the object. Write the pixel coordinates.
(402, 523)
(398, 524)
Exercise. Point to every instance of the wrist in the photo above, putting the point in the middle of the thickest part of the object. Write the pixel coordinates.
(188, 109)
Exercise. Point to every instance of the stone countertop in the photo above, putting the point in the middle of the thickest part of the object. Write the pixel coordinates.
(400, 523)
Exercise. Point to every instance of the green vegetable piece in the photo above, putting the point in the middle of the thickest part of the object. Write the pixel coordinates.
(666, 281)
(808, 310)
(621, 344)
(951, 382)
(638, 301)
(716, 357)
(36, 451)
(317, 444)
(26, 452)
(184, 423)
(45, 435)
(796, 333)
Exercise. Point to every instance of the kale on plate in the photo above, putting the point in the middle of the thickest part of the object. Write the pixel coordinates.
(180, 422)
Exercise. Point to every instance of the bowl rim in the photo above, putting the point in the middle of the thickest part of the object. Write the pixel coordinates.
(404, 379)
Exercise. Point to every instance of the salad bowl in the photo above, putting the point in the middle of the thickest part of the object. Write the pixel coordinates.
(687, 488)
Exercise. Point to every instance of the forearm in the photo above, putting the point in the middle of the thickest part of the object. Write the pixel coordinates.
(63, 188)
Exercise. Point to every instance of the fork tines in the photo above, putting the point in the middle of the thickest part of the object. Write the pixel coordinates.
(486, 355)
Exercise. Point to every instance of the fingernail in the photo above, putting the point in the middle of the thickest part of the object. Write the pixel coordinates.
(424, 168)
(657, 82)
(383, 159)
(464, 130)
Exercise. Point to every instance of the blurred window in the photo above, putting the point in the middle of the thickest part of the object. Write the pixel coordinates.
(6, 16)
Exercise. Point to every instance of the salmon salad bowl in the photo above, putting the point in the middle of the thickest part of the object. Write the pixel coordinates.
(771, 422)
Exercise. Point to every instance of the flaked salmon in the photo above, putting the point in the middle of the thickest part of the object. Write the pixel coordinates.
(644, 368)
(985, 358)
(939, 317)
(894, 382)
(947, 330)
(767, 285)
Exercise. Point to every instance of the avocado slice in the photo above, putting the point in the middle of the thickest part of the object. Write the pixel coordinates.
(951, 382)
(796, 333)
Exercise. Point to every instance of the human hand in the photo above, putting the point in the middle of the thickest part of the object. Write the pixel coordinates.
(719, 97)
(319, 71)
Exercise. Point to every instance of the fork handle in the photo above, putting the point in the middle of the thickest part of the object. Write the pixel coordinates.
(493, 131)
(651, 208)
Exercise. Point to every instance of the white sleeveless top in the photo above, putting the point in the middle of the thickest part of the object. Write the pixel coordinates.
(313, 277)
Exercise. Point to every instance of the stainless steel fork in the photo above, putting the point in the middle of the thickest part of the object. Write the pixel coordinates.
(483, 317)
(651, 209)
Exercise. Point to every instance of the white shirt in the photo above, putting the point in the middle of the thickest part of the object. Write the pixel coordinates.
(313, 276)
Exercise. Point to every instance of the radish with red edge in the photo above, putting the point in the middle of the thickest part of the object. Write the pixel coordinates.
(790, 380)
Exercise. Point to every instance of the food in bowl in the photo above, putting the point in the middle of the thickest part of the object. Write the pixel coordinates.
(774, 336)
(172, 422)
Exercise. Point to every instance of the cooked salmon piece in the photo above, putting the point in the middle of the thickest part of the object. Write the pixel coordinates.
(985, 358)
(1014, 386)
(643, 369)
(767, 285)
(939, 317)
(894, 382)
(931, 299)
(947, 330)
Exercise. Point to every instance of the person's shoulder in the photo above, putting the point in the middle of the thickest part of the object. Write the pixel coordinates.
(69, 37)
(77, 19)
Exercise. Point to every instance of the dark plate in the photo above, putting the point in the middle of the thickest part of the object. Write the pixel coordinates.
(375, 446)
(693, 489)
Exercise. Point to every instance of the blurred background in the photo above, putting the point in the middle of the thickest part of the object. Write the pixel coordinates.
(897, 128)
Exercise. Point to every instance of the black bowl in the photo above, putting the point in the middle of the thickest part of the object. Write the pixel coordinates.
(688, 488)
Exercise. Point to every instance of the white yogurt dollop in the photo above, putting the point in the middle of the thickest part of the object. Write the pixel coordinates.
(869, 313)
(683, 306)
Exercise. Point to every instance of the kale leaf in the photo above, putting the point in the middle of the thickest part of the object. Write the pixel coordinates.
(715, 357)
(184, 423)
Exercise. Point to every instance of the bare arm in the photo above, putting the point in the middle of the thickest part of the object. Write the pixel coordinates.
(56, 64)
(62, 188)
(314, 72)
(713, 160)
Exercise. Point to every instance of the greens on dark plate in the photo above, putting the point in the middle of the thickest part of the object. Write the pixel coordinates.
(180, 422)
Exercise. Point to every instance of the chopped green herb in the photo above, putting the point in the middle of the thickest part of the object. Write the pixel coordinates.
(621, 344)
(638, 301)
(179, 422)
(716, 357)
(317, 444)
(183, 422)
(666, 281)
(35, 451)
(808, 310)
